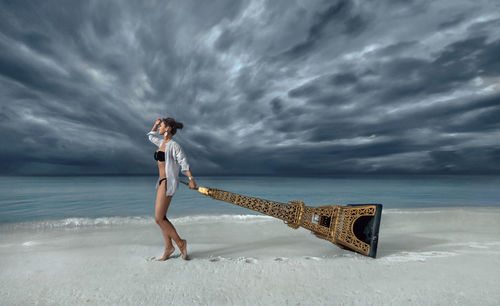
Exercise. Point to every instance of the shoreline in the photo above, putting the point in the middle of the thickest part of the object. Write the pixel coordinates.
(147, 219)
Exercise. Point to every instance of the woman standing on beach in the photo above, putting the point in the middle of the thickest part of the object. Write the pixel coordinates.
(169, 156)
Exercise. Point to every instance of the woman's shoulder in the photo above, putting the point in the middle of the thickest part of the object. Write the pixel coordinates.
(174, 144)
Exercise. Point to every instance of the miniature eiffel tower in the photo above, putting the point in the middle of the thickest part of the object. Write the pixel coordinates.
(353, 227)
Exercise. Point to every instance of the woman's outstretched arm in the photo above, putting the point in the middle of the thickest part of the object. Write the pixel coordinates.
(192, 183)
(182, 160)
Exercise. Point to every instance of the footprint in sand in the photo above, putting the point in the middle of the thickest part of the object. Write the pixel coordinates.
(313, 258)
(214, 259)
(251, 260)
(247, 260)
(280, 259)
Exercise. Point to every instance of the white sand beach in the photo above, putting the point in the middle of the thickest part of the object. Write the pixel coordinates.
(438, 256)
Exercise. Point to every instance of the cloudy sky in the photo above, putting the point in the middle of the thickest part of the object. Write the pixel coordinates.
(262, 87)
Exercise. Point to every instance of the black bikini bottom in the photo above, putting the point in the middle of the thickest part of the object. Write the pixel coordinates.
(159, 183)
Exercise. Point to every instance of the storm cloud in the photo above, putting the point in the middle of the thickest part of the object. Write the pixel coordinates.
(262, 87)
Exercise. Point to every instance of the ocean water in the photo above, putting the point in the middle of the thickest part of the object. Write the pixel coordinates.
(40, 198)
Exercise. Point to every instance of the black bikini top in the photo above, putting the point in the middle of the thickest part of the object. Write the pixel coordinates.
(159, 155)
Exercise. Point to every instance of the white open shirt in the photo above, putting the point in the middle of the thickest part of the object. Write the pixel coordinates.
(174, 158)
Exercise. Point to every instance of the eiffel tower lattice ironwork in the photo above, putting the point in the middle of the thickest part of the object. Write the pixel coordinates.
(353, 227)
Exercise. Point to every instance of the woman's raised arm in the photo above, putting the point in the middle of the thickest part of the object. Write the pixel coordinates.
(154, 138)
(153, 135)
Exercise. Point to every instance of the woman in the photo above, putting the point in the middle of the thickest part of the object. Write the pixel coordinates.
(169, 156)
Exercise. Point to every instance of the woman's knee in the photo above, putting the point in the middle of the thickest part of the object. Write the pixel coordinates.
(160, 220)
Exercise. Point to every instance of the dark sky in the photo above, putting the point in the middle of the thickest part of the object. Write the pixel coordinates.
(262, 87)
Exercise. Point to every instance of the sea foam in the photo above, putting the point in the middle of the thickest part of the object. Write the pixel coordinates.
(131, 220)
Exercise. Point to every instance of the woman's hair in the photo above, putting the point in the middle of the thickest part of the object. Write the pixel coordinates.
(174, 125)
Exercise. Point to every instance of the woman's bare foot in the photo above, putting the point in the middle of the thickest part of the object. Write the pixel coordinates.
(183, 248)
(166, 255)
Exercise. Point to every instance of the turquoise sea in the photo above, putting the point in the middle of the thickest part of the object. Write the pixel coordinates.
(44, 198)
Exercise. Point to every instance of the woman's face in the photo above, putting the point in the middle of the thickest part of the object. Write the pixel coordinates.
(162, 128)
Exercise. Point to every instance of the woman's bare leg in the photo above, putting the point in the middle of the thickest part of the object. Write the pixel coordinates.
(168, 230)
(162, 205)
(181, 243)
